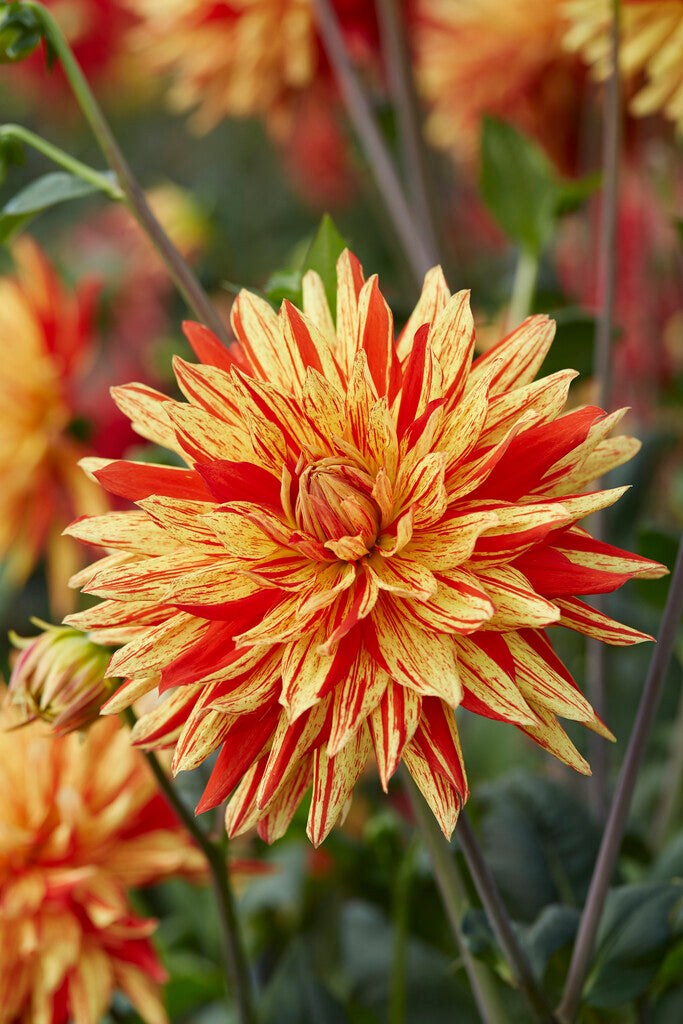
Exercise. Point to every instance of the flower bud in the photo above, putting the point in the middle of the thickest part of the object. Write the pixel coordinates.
(335, 502)
(20, 33)
(59, 677)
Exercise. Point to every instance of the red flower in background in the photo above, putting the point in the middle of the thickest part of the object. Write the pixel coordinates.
(97, 32)
(649, 285)
(261, 58)
(47, 345)
(83, 822)
(476, 57)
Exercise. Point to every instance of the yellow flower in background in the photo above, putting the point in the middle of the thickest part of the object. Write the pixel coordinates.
(651, 46)
(477, 57)
(243, 58)
(81, 823)
(366, 536)
(46, 346)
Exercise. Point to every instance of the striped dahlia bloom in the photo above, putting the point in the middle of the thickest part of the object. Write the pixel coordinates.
(81, 822)
(651, 47)
(461, 48)
(366, 536)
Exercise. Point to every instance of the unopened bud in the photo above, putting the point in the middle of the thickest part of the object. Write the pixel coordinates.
(20, 32)
(59, 678)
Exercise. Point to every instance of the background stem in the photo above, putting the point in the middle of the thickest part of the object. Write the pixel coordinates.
(133, 196)
(616, 822)
(361, 116)
(399, 69)
(599, 754)
(237, 970)
(500, 922)
(523, 287)
(62, 159)
(455, 903)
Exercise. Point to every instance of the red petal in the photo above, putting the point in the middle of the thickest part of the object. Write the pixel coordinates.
(413, 375)
(134, 480)
(240, 481)
(242, 746)
(533, 452)
(552, 574)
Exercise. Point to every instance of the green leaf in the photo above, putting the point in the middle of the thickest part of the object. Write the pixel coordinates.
(20, 32)
(540, 843)
(49, 190)
(660, 547)
(573, 192)
(296, 996)
(519, 185)
(193, 981)
(554, 928)
(325, 250)
(635, 933)
(366, 949)
(573, 344)
(284, 284)
(11, 155)
(671, 970)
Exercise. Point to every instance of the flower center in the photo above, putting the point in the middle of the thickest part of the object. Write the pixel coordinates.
(335, 502)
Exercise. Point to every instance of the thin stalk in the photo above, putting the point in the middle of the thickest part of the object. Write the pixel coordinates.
(400, 71)
(234, 958)
(616, 822)
(397, 995)
(500, 922)
(408, 229)
(62, 159)
(455, 903)
(523, 287)
(133, 196)
(667, 811)
(602, 372)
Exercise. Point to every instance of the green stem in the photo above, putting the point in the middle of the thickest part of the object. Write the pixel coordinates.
(618, 814)
(62, 159)
(523, 288)
(397, 996)
(400, 72)
(501, 925)
(455, 903)
(133, 196)
(409, 231)
(669, 805)
(233, 954)
(598, 750)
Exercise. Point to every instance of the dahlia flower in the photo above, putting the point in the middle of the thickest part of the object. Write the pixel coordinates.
(366, 536)
(648, 286)
(243, 57)
(46, 342)
(262, 58)
(476, 57)
(60, 678)
(81, 822)
(651, 45)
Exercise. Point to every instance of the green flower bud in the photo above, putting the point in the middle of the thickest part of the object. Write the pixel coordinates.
(59, 678)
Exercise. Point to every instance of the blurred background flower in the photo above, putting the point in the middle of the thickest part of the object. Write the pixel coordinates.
(47, 345)
(82, 823)
(476, 57)
(650, 55)
(263, 58)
